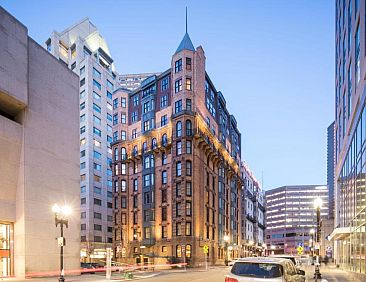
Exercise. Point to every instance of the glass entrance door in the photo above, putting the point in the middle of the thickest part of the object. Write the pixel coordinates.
(5, 252)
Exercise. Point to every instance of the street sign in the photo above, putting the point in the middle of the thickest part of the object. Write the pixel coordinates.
(61, 241)
(300, 250)
(205, 249)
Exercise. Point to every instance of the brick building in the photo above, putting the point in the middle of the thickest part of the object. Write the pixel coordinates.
(176, 167)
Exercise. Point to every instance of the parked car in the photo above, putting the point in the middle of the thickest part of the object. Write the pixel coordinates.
(88, 267)
(232, 261)
(292, 258)
(264, 269)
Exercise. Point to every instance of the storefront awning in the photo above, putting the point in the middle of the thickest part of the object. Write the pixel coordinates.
(340, 233)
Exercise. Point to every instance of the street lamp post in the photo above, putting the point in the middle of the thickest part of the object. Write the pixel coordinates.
(226, 240)
(317, 204)
(312, 231)
(61, 218)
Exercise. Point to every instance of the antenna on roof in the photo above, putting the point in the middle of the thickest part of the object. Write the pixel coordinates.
(186, 20)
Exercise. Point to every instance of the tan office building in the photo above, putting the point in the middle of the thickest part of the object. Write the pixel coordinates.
(39, 154)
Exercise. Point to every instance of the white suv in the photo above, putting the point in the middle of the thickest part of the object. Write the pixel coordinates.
(264, 269)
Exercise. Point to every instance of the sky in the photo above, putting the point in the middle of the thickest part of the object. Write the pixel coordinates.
(273, 60)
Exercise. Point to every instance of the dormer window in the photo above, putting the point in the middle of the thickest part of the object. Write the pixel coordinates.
(178, 65)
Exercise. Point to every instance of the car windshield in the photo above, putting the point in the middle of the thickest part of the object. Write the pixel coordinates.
(259, 270)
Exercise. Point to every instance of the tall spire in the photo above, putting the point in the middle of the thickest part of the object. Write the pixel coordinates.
(186, 43)
(186, 20)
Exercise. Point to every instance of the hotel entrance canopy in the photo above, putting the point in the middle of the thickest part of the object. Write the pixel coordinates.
(340, 233)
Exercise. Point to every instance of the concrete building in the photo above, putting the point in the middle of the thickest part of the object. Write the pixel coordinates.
(330, 168)
(132, 81)
(177, 167)
(350, 135)
(38, 154)
(82, 49)
(291, 215)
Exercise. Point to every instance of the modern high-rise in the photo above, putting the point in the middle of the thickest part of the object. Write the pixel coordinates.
(350, 135)
(291, 215)
(177, 171)
(330, 168)
(132, 81)
(39, 145)
(82, 48)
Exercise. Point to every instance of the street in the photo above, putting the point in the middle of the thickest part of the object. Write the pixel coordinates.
(214, 274)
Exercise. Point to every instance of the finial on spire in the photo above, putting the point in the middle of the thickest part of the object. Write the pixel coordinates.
(186, 20)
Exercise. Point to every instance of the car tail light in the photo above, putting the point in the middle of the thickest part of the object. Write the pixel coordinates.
(228, 279)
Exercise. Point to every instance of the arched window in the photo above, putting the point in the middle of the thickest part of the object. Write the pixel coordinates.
(178, 169)
(178, 129)
(188, 251)
(135, 150)
(116, 154)
(188, 128)
(123, 153)
(188, 168)
(154, 143)
(144, 147)
(179, 251)
(164, 140)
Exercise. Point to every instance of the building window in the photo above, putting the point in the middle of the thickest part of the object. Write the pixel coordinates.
(82, 129)
(146, 125)
(115, 103)
(188, 128)
(164, 213)
(123, 135)
(96, 96)
(147, 232)
(96, 108)
(164, 196)
(164, 160)
(82, 82)
(189, 147)
(123, 202)
(188, 228)
(115, 136)
(135, 100)
(357, 54)
(178, 65)
(178, 169)
(109, 84)
(188, 168)
(123, 186)
(134, 133)
(154, 143)
(177, 189)
(178, 231)
(135, 185)
(123, 153)
(123, 102)
(178, 106)
(188, 84)
(96, 73)
(115, 119)
(164, 139)
(109, 95)
(109, 117)
(97, 84)
(123, 169)
(178, 129)
(188, 104)
(83, 201)
(164, 120)
(97, 131)
(179, 147)
(82, 106)
(165, 83)
(97, 202)
(178, 85)
(146, 107)
(189, 188)
(163, 101)
(188, 63)
(134, 117)
(188, 208)
(164, 232)
(164, 176)
(123, 118)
